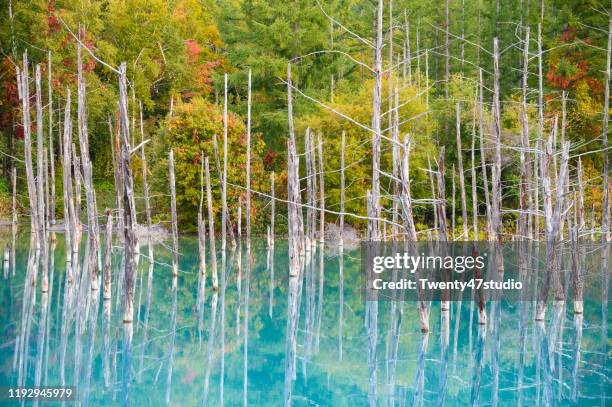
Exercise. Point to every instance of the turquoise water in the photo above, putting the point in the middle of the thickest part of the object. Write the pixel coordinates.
(189, 346)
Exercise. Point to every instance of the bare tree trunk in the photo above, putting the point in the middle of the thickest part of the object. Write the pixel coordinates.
(92, 213)
(211, 230)
(201, 224)
(396, 160)
(342, 147)
(322, 192)
(525, 167)
(272, 210)
(464, 214)
(248, 169)
(605, 224)
(25, 99)
(474, 179)
(405, 196)
(69, 215)
(224, 181)
(174, 218)
(14, 183)
(540, 112)
(433, 196)
(483, 160)
(376, 126)
(295, 224)
(441, 206)
(228, 221)
(115, 145)
(128, 200)
(40, 175)
(580, 202)
(407, 53)
(108, 255)
(446, 50)
(497, 193)
(145, 189)
(51, 148)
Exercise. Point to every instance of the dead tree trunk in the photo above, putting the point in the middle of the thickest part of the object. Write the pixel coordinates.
(51, 148)
(342, 147)
(145, 189)
(295, 223)
(174, 219)
(272, 209)
(228, 218)
(14, 184)
(376, 126)
(446, 50)
(69, 215)
(525, 167)
(474, 179)
(464, 221)
(248, 169)
(27, 142)
(201, 223)
(108, 255)
(129, 233)
(322, 192)
(483, 160)
(496, 188)
(605, 224)
(40, 175)
(211, 230)
(405, 197)
(92, 213)
(224, 180)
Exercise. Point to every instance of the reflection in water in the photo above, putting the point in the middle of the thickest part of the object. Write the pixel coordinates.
(307, 339)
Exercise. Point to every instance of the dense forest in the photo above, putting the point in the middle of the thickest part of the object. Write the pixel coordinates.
(437, 58)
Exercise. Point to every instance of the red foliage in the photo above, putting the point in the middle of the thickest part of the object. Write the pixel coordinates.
(270, 158)
(570, 66)
(53, 23)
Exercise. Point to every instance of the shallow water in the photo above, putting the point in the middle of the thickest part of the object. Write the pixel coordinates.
(187, 348)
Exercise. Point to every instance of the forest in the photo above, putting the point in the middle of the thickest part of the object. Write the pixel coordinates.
(438, 62)
(159, 157)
